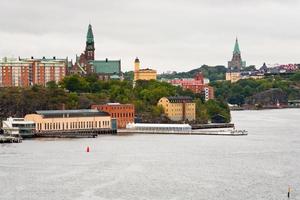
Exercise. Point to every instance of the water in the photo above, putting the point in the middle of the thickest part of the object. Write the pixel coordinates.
(259, 166)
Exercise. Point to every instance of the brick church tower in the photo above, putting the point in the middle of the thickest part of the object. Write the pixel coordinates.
(90, 45)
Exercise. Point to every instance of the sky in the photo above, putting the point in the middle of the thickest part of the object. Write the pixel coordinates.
(166, 35)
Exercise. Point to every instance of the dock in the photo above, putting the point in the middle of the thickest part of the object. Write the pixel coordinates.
(10, 139)
(193, 132)
(75, 133)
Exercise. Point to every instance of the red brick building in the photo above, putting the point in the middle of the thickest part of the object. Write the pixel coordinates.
(124, 113)
(26, 72)
(196, 85)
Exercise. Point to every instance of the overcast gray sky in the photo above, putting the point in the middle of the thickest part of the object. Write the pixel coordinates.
(165, 34)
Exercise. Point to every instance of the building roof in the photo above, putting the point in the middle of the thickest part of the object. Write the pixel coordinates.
(106, 66)
(111, 105)
(264, 67)
(236, 47)
(71, 113)
(147, 70)
(180, 99)
(31, 60)
(142, 125)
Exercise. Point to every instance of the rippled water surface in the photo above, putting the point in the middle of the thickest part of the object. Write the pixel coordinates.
(259, 166)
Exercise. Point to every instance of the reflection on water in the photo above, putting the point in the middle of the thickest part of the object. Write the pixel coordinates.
(259, 166)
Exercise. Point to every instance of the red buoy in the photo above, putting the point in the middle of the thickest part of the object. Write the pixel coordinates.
(88, 149)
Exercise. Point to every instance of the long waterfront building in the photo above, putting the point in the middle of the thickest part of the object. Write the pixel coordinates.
(48, 121)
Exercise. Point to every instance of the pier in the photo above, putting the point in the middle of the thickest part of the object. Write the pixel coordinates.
(10, 139)
(193, 132)
(76, 133)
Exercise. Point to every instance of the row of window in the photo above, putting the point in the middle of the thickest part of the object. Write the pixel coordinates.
(117, 115)
(73, 125)
(180, 110)
(121, 107)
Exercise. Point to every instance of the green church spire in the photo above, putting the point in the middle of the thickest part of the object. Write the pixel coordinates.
(90, 44)
(90, 35)
(236, 47)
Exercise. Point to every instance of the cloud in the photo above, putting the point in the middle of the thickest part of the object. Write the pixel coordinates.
(165, 34)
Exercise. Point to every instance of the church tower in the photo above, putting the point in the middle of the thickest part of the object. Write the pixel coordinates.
(90, 45)
(236, 63)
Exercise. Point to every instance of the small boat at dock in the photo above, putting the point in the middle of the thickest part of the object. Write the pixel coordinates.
(10, 139)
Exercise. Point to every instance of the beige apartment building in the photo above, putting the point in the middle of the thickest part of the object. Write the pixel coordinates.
(69, 120)
(178, 108)
(233, 76)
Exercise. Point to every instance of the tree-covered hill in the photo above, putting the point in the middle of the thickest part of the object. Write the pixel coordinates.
(75, 92)
(243, 90)
(213, 73)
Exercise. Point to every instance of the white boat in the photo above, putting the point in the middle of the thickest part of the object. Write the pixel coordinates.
(18, 127)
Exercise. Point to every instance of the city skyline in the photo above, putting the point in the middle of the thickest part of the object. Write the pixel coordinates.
(204, 32)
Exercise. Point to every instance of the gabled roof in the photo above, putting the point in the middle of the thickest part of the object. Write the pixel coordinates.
(180, 99)
(71, 113)
(106, 66)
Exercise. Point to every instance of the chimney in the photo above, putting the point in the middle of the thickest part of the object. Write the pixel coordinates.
(106, 60)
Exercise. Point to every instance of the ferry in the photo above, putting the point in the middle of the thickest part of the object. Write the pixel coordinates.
(18, 127)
